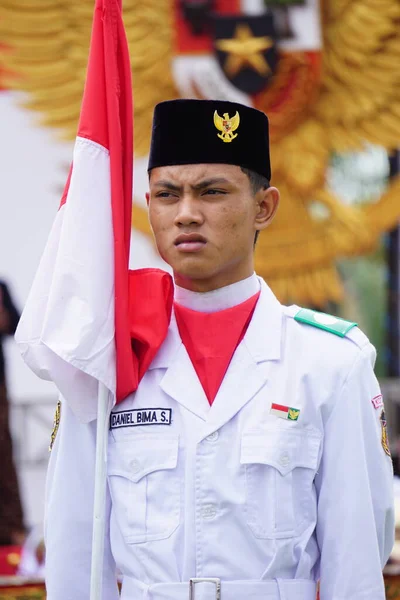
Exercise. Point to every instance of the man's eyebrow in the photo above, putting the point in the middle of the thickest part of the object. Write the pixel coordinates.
(168, 185)
(163, 183)
(207, 182)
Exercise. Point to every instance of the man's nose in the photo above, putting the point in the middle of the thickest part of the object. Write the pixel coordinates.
(189, 211)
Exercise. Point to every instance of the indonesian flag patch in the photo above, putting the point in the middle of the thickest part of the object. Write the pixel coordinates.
(285, 412)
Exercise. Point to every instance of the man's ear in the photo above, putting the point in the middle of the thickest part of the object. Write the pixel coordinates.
(147, 198)
(267, 205)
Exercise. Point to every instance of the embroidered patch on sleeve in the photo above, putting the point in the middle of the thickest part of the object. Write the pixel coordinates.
(385, 440)
(56, 425)
(377, 402)
(140, 417)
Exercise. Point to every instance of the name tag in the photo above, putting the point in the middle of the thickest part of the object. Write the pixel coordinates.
(141, 416)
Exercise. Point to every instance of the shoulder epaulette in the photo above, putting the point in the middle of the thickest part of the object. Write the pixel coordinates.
(345, 329)
(335, 325)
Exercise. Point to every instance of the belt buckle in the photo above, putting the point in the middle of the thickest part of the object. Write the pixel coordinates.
(215, 580)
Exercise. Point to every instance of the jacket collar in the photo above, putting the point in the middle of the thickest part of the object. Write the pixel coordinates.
(220, 299)
(262, 339)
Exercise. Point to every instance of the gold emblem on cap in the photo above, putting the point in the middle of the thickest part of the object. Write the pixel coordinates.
(227, 125)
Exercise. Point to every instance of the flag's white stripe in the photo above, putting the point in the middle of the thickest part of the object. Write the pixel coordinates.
(68, 335)
(279, 413)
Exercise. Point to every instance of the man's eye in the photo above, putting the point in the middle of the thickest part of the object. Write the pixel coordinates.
(213, 192)
(163, 195)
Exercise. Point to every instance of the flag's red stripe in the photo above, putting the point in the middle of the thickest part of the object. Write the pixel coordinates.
(280, 407)
(120, 138)
(93, 121)
(107, 118)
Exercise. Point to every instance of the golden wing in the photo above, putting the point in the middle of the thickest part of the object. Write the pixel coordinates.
(358, 102)
(218, 121)
(235, 121)
(149, 29)
(297, 253)
(47, 45)
(46, 52)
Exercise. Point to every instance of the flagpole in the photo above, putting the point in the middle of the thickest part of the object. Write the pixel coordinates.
(100, 487)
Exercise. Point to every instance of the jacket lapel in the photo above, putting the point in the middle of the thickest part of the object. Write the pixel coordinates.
(250, 366)
(180, 380)
(246, 375)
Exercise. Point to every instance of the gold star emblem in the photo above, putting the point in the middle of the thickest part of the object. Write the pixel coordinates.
(244, 49)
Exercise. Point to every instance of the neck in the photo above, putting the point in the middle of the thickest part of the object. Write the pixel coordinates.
(219, 299)
(236, 271)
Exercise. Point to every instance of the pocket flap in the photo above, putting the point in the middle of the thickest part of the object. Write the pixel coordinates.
(281, 449)
(138, 456)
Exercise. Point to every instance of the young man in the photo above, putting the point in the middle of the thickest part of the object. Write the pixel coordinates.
(252, 461)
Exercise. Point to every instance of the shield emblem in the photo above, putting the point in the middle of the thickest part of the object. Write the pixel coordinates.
(281, 78)
(245, 47)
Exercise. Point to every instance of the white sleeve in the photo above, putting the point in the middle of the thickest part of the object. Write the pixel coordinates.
(355, 526)
(69, 514)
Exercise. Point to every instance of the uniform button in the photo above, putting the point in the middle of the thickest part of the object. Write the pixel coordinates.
(284, 459)
(135, 465)
(209, 511)
(212, 437)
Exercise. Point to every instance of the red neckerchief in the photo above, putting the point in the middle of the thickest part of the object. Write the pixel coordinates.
(151, 294)
(212, 338)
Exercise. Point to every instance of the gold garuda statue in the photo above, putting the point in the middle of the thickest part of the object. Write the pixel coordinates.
(326, 73)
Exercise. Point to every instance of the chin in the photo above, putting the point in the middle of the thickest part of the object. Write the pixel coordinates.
(192, 268)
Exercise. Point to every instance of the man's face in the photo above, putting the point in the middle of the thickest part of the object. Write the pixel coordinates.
(204, 218)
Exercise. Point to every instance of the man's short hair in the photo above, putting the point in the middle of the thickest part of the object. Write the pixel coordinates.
(257, 182)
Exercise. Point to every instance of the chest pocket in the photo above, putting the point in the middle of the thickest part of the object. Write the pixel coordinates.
(145, 486)
(280, 467)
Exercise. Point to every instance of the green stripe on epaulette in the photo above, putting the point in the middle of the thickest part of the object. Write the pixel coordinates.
(327, 322)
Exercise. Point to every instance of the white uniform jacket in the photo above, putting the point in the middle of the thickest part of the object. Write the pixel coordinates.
(268, 505)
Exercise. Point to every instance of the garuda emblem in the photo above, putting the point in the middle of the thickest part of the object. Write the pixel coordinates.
(326, 73)
(293, 414)
(227, 126)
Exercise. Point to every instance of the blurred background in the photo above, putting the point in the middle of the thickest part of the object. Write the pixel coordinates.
(328, 76)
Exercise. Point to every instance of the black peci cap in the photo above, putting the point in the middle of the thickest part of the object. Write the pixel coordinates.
(210, 131)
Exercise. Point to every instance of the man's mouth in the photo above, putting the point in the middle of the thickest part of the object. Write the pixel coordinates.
(190, 242)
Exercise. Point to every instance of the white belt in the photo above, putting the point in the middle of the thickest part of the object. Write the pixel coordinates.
(214, 589)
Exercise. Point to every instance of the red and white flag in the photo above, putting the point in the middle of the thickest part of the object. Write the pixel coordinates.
(285, 412)
(75, 326)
